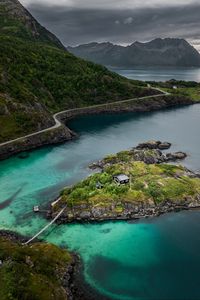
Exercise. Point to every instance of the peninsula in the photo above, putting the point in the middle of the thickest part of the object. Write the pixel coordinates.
(131, 184)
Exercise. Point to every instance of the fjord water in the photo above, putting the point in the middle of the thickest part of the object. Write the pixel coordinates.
(160, 73)
(153, 259)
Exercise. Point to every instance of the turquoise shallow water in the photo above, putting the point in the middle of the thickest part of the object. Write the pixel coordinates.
(157, 259)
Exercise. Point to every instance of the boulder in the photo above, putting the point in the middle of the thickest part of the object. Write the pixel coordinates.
(180, 155)
(176, 156)
(149, 145)
(164, 146)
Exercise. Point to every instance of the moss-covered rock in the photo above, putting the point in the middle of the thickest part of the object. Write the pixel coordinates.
(36, 272)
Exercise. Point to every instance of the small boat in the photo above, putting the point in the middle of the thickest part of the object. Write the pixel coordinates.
(36, 209)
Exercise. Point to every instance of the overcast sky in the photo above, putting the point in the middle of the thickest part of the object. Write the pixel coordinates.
(118, 21)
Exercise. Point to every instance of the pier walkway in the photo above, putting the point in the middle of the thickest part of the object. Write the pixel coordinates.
(45, 228)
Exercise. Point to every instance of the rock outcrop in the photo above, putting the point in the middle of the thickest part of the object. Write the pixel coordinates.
(130, 211)
(154, 145)
(148, 152)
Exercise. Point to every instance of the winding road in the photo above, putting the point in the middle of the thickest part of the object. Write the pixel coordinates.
(58, 122)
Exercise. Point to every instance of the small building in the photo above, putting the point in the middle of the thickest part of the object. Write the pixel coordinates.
(36, 209)
(175, 87)
(121, 179)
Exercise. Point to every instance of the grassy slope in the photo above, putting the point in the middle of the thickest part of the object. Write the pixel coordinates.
(32, 272)
(38, 76)
(187, 89)
(148, 183)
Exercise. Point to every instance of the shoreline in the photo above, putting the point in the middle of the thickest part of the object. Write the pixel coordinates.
(129, 218)
(152, 188)
(60, 133)
(73, 281)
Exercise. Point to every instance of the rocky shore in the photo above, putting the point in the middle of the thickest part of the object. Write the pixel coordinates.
(154, 188)
(55, 136)
(84, 213)
(149, 152)
(63, 133)
(71, 279)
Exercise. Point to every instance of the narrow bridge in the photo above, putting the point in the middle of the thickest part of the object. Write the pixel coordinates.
(46, 227)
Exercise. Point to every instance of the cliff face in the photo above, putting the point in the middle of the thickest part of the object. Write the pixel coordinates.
(159, 52)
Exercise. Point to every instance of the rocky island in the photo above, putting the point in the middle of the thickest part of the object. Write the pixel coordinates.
(131, 184)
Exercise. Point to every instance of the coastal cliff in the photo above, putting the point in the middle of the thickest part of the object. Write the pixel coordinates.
(152, 187)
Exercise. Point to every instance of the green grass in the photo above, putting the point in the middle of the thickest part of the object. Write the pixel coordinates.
(148, 183)
(38, 73)
(188, 89)
(193, 93)
(32, 272)
(44, 78)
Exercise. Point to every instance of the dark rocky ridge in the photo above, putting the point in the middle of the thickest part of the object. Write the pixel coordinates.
(13, 10)
(159, 52)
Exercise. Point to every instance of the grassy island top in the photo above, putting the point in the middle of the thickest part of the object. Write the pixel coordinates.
(150, 183)
(32, 272)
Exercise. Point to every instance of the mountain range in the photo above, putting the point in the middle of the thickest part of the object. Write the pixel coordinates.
(159, 52)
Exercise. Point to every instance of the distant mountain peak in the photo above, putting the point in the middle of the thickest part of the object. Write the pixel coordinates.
(160, 52)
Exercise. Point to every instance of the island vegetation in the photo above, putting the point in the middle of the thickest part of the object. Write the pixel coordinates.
(154, 187)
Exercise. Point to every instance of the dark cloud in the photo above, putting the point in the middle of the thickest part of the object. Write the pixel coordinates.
(76, 26)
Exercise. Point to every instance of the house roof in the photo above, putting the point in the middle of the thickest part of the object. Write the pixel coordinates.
(122, 177)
